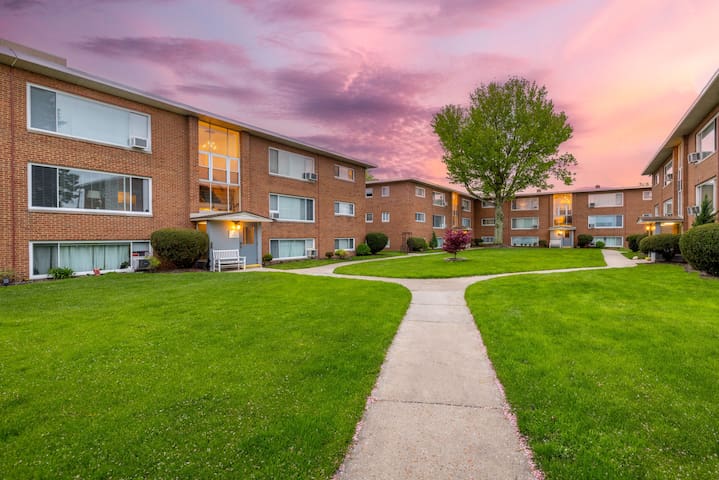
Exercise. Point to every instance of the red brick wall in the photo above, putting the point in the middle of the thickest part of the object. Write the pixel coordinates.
(169, 167)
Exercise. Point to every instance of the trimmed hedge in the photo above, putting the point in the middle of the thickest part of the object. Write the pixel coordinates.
(181, 247)
(633, 241)
(700, 247)
(363, 250)
(376, 241)
(666, 244)
(583, 240)
(416, 244)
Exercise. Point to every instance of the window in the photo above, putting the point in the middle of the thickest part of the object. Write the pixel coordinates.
(525, 241)
(86, 190)
(438, 221)
(296, 209)
(655, 179)
(385, 217)
(526, 203)
(656, 209)
(707, 190)
(668, 173)
(609, 241)
(344, 243)
(420, 217)
(466, 222)
(667, 207)
(76, 117)
(525, 223)
(291, 248)
(219, 168)
(368, 192)
(83, 257)
(680, 205)
(679, 182)
(291, 165)
(369, 217)
(706, 139)
(345, 173)
(488, 204)
(647, 195)
(606, 221)
(487, 239)
(606, 199)
(346, 209)
(466, 205)
(488, 222)
(438, 199)
(419, 191)
(384, 191)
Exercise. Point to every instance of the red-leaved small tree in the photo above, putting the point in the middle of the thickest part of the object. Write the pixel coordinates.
(456, 241)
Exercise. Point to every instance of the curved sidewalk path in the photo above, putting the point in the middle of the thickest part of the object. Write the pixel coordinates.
(438, 410)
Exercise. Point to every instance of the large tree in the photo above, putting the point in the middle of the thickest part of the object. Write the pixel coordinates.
(507, 140)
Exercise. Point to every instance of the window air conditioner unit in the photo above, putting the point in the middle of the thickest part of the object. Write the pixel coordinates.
(669, 177)
(275, 215)
(591, 205)
(591, 225)
(311, 253)
(138, 142)
(694, 157)
(646, 214)
(693, 209)
(312, 177)
(140, 263)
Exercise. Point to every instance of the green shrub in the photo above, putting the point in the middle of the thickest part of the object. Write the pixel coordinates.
(633, 241)
(266, 258)
(477, 242)
(666, 244)
(376, 241)
(584, 240)
(416, 244)
(706, 214)
(341, 253)
(9, 274)
(329, 255)
(700, 247)
(154, 263)
(543, 243)
(599, 244)
(59, 272)
(644, 245)
(433, 242)
(181, 247)
(363, 250)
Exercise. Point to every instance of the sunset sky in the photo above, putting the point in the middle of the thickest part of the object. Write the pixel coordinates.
(365, 77)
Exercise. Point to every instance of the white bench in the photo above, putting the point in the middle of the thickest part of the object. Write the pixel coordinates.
(227, 258)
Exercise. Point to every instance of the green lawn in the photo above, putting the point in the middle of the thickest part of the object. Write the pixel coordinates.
(196, 375)
(482, 261)
(612, 373)
(318, 262)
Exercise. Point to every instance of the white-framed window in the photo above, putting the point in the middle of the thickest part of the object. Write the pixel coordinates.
(525, 203)
(488, 204)
(293, 209)
(344, 244)
(369, 192)
(487, 239)
(679, 181)
(419, 191)
(291, 165)
(68, 115)
(466, 222)
(384, 191)
(438, 221)
(647, 195)
(606, 221)
(525, 223)
(707, 190)
(524, 241)
(668, 207)
(84, 256)
(706, 139)
(73, 189)
(668, 172)
(609, 241)
(466, 205)
(219, 168)
(655, 179)
(385, 217)
(387, 246)
(597, 200)
(369, 217)
(488, 221)
(438, 199)
(420, 217)
(345, 209)
(344, 173)
(288, 248)
(656, 209)
(440, 242)
(680, 205)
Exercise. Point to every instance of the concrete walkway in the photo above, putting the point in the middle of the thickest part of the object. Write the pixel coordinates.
(438, 410)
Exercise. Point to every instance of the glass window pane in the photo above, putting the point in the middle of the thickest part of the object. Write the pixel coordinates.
(219, 169)
(204, 197)
(44, 186)
(234, 172)
(44, 257)
(233, 143)
(94, 121)
(218, 140)
(234, 199)
(204, 166)
(203, 136)
(139, 126)
(140, 198)
(42, 109)
(219, 198)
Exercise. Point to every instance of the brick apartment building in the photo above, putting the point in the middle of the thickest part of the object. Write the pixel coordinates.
(685, 168)
(91, 168)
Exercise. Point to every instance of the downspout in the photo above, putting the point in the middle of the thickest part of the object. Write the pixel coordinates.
(13, 188)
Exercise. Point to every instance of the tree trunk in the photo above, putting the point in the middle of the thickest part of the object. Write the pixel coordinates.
(499, 223)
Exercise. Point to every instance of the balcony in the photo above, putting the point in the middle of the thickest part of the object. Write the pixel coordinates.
(563, 220)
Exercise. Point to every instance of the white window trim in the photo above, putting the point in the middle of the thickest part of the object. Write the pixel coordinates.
(524, 228)
(368, 192)
(416, 192)
(594, 203)
(698, 141)
(444, 222)
(713, 182)
(535, 239)
(488, 204)
(645, 196)
(488, 224)
(512, 203)
(469, 222)
(667, 178)
(595, 227)
(469, 202)
(600, 237)
(345, 179)
(439, 197)
(369, 217)
(91, 100)
(416, 216)
(295, 239)
(345, 214)
(347, 249)
(669, 202)
(278, 150)
(383, 216)
(487, 238)
(384, 189)
(86, 211)
(314, 211)
(31, 262)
